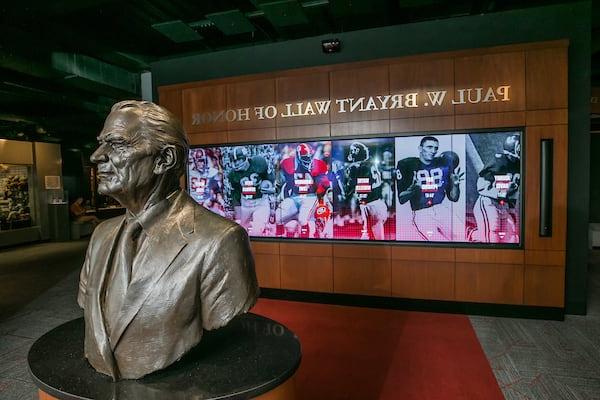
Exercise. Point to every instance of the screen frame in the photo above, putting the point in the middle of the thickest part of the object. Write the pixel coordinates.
(477, 245)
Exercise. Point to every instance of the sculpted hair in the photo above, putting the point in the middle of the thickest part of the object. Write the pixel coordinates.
(160, 128)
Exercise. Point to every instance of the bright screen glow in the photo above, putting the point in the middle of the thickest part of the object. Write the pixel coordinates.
(445, 187)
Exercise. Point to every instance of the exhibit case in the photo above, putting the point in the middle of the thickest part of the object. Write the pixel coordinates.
(15, 197)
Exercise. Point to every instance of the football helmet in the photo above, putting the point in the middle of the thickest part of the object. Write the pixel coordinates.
(358, 152)
(240, 158)
(198, 159)
(304, 155)
(198, 153)
(512, 146)
(388, 157)
(267, 187)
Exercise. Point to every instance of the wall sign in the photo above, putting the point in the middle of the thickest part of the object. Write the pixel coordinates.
(433, 98)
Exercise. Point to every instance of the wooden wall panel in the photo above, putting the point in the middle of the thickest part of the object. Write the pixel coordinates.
(544, 286)
(423, 77)
(264, 247)
(361, 128)
(264, 135)
(538, 99)
(410, 125)
(305, 88)
(204, 100)
(545, 258)
(248, 95)
(423, 279)
(494, 256)
(423, 253)
(534, 135)
(303, 132)
(547, 78)
(491, 70)
(376, 252)
(171, 100)
(489, 283)
(490, 120)
(547, 117)
(303, 272)
(356, 83)
(268, 271)
(304, 249)
(362, 269)
(367, 276)
(203, 138)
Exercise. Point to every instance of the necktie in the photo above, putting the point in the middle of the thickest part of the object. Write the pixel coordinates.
(127, 250)
(121, 274)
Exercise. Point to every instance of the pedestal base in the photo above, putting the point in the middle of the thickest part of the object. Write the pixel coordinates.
(285, 391)
(252, 357)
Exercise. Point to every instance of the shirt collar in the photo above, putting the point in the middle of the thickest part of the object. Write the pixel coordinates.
(150, 215)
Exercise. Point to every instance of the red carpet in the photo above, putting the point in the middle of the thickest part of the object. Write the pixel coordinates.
(363, 353)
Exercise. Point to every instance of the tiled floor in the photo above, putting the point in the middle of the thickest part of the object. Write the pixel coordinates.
(531, 359)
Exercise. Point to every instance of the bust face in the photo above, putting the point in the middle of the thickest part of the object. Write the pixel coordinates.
(125, 159)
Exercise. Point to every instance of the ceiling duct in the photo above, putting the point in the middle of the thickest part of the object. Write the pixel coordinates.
(284, 13)
(178, 31)
(231, 22)
(90, 73)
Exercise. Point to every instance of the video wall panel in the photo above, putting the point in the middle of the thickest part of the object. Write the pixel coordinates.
(445, 188)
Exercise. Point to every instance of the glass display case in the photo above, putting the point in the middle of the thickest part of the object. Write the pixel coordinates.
(15, 197)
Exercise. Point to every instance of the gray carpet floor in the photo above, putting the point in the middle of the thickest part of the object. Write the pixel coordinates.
(534, 359)
(38, 290)
(531, 359)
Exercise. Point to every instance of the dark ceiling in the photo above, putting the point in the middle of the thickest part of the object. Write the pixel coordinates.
(63, 63)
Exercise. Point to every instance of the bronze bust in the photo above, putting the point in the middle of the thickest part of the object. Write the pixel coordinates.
(168, 269)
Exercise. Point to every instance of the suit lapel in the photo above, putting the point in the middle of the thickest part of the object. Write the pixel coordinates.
(164, 244)
(104, 253)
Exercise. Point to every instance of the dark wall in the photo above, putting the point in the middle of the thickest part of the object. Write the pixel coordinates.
(75, 170)
(73, 175)
(594, 172)
(569, 21)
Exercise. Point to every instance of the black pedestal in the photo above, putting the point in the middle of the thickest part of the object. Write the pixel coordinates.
(251, 356)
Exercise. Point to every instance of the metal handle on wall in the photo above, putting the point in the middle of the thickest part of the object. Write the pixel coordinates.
(546, 160)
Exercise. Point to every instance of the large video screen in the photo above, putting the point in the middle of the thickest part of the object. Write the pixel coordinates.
(443, 187)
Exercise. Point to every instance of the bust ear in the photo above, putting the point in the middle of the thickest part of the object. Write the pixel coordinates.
(166, 160)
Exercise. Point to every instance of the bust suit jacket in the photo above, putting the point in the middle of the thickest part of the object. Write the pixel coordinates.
(196, 272)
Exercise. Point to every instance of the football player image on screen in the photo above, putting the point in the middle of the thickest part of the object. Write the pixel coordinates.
(430, 183)
(363, 183)
(387, 175)
(363, 170)
(304, 208)
(251, 190)
(496, 209)
(197, 179)
(205, 179)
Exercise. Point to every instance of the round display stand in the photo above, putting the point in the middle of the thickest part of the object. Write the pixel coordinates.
(251, 358)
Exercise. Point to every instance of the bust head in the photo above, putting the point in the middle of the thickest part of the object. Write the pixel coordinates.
(142, 152)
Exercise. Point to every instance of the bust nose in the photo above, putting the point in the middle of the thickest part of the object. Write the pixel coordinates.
(99, 155)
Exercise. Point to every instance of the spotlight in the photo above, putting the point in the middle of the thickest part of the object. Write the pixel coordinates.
(331, 45)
